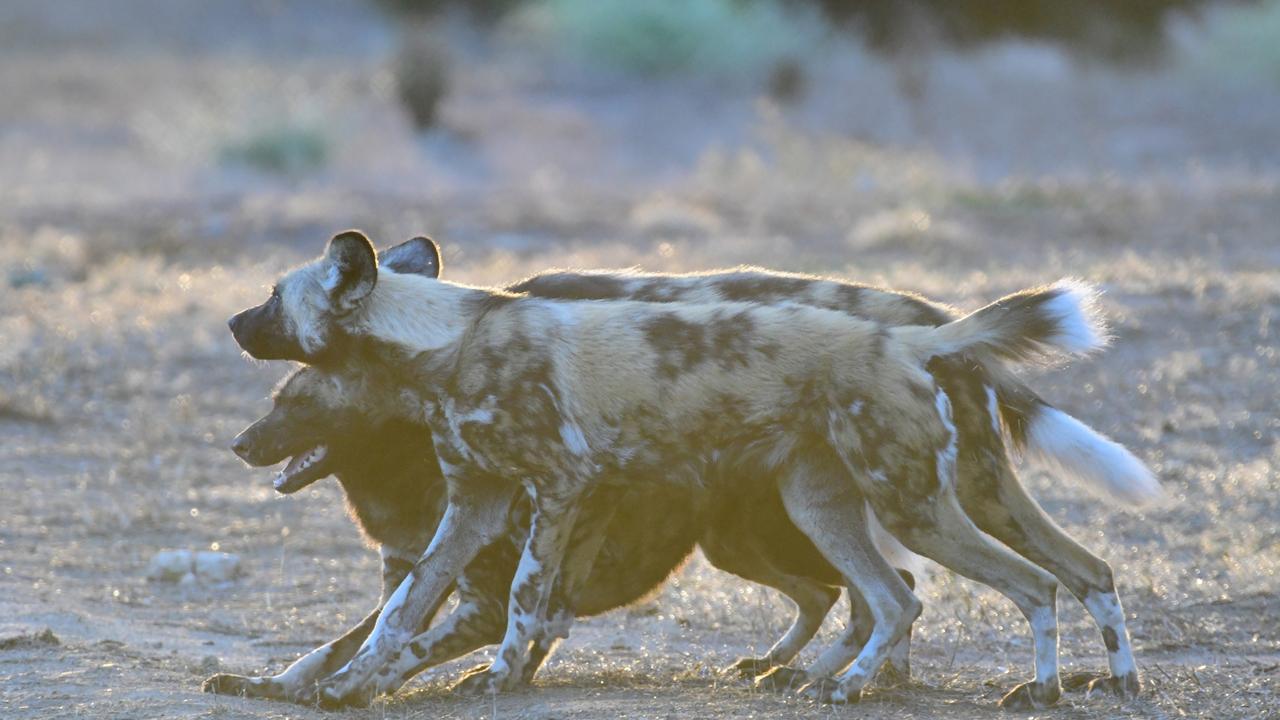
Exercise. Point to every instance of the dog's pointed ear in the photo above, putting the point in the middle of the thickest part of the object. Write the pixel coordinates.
(419, 256)
(353, 269)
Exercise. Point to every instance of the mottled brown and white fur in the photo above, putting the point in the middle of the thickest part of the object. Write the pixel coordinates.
(568, 395)
(1046, 435)
(388, 470)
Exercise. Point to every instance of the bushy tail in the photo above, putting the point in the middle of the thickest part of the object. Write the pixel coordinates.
(1037, 326)
(1066, 446)
(1032, 326)
(1061, 443)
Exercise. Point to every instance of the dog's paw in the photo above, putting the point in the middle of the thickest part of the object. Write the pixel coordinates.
(782, 679)
(333, 694)
(1124, 687)
(828, 691)
(891, 675)
(747, 668)
(1080, 680)
(1031, 696)
(476, 682)
(228, 684)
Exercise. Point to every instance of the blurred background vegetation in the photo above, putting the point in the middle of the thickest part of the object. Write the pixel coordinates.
(577, 112)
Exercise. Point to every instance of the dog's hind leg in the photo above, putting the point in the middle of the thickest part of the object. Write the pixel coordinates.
(997, 502)
(940, 530)
(897, 667)
(1009, 514)
(840, 654)
(825, 503)
(813, 600)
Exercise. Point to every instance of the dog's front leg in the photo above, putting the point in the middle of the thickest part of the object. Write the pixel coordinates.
(478, 620)
(589, 533)
(297, 682)
(476, 516)
(554, 509)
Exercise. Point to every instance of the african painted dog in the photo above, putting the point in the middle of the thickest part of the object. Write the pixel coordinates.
(813, 394)
(987, 485)
(395, 492)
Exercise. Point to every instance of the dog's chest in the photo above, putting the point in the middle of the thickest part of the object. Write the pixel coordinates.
(398, 507)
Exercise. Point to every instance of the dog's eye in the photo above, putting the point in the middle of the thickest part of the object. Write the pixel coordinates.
(275, 292)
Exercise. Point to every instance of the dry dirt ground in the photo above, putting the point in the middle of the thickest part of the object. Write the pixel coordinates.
(120, 389)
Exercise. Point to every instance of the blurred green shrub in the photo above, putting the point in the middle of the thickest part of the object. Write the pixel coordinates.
(721, 38)
(287, 149)
(638, 32)
(1121, 31)
(482, 10)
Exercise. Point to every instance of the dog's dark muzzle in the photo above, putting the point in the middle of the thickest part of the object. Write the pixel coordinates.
(261, 332)
(239, 325)
(255, 450)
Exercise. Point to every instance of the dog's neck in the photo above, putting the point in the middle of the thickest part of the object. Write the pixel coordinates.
(414, 314)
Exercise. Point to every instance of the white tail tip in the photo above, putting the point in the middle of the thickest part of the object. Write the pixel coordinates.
(1058, 441)
(1080, 328)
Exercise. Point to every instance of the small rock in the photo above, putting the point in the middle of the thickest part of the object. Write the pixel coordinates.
(170, 565)
(188, 568)
(217, 567)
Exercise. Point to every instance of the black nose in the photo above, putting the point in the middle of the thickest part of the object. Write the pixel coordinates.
(240, 446)
(233, 323)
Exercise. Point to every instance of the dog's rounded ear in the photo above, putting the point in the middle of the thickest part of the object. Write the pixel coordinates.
(353, 269)
(419, 256)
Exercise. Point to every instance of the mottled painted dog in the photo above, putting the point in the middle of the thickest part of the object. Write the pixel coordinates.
(568, 395)
(395, 493)
(987, 399)
(395, 490)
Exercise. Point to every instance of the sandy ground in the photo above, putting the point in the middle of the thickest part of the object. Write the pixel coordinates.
(123, 248)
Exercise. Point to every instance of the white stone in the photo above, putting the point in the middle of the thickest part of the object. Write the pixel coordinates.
(216, 567)
(170, 565)
(188, 568)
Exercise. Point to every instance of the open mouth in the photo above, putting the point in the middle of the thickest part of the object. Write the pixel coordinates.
(302, 470)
